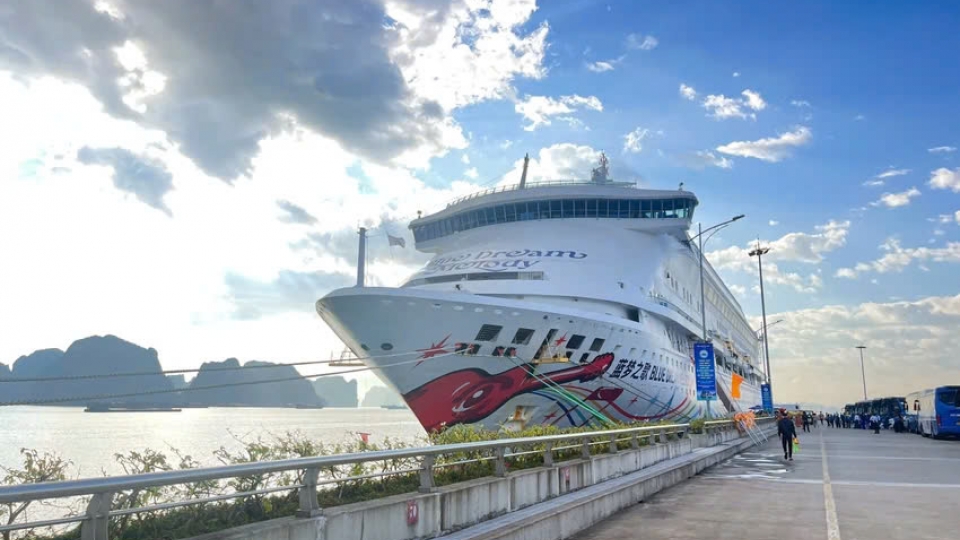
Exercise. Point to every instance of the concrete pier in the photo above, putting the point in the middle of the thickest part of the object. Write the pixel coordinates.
(843, 484)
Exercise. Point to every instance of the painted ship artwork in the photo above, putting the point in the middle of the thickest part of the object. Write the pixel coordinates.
(556, 303)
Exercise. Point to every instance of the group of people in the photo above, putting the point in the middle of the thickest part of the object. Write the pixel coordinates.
(874, 422)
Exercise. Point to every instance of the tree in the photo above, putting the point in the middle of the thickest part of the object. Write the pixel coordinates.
(37, 468)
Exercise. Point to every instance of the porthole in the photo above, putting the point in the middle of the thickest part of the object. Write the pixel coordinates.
(364, 347)
(386, 346)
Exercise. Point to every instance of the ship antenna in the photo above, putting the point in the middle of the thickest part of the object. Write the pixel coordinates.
(523, 177)
(600, 174)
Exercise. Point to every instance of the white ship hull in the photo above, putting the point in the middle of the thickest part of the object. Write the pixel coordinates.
(409, 336)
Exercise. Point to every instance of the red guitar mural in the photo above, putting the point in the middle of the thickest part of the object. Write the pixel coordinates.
(473, 394)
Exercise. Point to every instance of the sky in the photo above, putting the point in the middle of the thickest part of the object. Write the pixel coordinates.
(190, 176)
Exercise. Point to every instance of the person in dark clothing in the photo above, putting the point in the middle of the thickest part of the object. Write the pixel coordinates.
(787, 431)
(806, 422)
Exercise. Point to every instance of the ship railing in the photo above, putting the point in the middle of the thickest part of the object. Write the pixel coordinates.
(314, 474)
(658, 299)
(528, 185)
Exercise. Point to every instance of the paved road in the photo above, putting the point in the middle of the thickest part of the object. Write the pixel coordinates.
(844, 484)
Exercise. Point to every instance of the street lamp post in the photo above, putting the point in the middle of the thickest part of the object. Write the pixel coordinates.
(703, 303)
(863, 372)
(759, 253)
(761, 334)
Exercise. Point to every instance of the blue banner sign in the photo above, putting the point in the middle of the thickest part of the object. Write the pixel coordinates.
(706, 372)
(767, 396)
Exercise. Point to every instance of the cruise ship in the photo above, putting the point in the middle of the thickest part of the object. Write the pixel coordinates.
(564, 303)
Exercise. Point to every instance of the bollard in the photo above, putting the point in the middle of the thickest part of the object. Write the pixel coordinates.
(309, 506)
(548, 455)
(97, 524)
(427, 484)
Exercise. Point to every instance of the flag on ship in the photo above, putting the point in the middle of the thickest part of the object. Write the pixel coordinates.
(396, 241)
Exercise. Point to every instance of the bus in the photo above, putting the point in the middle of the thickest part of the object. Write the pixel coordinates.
(935, 412)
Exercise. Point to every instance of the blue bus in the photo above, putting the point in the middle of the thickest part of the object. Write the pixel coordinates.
(935, 412)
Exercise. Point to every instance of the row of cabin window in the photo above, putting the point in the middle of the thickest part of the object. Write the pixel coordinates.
(556, 209)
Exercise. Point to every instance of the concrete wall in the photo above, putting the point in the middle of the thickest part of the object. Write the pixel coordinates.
(543, 503)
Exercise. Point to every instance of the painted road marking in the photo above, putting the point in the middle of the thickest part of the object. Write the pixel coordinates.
(833, 527)
(851, 483)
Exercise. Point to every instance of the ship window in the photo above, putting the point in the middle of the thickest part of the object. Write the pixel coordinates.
(522, 337)
(461, 348)
(546, 344)
(572, 208)
(575, 341)
(596, 345)
(591, 208)
(488, 332)
(511, 352)
(473, 349)
(386, 346)
(583, 357)
(498, 351)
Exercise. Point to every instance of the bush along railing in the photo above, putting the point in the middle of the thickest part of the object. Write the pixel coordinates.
(295, 476)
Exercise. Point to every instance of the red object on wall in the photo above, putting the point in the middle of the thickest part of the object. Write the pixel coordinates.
(413, 513)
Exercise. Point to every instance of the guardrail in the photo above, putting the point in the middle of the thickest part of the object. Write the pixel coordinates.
(95, 521)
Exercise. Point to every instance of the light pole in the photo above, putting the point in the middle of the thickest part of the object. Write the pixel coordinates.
(703, 303)
(863, 372)
(762, 334)
(759, 253)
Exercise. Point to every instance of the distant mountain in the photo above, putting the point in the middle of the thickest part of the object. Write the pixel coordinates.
(96, 355)
(289, 393)
(378, 396)
(179, 382)
(336, 391)
(5, 372)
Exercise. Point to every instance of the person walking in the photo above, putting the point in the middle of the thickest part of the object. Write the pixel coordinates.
(806, 422)
(875, 424)
(821, 418)
(787, 431)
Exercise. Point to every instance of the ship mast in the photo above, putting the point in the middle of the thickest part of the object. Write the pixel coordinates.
(601, 173)
(523, 177)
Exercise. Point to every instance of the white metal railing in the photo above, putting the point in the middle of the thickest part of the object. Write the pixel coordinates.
(528, 185)
(95, 521)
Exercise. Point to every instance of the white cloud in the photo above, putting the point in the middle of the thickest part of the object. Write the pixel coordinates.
(600, 66)
(895, 200)
(753, 100)
(942, 149)
(738, 290)
(771, 149)
(859, 117)
(705, 158)
(816, 361)
(896, 257)
(722, 107)
(539, 109)
(800, 103)
(506, 144)
(944, 178)
(873, 183)
(891, 172)
(642, 43)
(471, 173)
(773, 223)
(795, 247)
(562, 161)
(848, 273)
(736, 73)
(465, 158)
(632, 142)
(688, 92)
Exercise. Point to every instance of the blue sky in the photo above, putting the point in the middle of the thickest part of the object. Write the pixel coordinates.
(195, 185)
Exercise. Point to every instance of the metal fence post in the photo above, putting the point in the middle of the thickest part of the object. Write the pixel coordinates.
(585, 448)
(309, 506)
(501, 463)
(427, 484)
(548, 455)
(97, 524)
